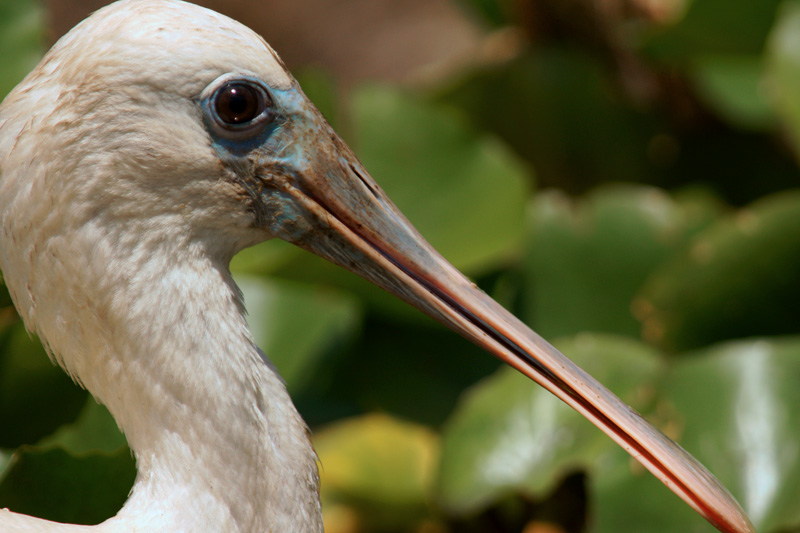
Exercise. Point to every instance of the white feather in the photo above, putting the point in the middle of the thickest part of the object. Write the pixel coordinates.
(116, 229)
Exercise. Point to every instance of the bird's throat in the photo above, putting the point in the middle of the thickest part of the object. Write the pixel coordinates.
(218, 443)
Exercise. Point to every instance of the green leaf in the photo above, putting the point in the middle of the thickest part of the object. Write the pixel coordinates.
(298, 326)
(320, 88)
(265, 258)
(508, 434)
(733, 407)
(737, 404)
(379, 466)
(561, 110)
(734, 87)
(587, 259)
(626, 497)
(94, 430)
(716, 27)
(738, 278)
(52, 484)
(466, 193)
(36, 396)
(22, 31)
(783, 63)
(413, 371)
(5, 460)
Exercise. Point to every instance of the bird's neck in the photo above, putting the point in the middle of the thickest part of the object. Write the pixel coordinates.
(218, 443)
(229, 446)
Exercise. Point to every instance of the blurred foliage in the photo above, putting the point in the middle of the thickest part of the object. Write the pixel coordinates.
(663, 252)
(21, 39)
(507, 436)
(377, 470)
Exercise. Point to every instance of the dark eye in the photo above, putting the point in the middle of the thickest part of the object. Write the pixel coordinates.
(238, 103)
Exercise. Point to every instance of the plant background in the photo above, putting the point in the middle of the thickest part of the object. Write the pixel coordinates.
(622, 174)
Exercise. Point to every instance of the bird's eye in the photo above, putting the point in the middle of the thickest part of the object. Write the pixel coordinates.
(239, 103)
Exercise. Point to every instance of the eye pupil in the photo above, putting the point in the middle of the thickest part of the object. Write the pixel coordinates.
(239, 103)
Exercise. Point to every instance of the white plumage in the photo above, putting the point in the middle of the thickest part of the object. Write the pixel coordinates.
(117, 231)
(128, 180)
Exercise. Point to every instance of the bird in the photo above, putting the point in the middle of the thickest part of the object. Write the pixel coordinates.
(152, 143)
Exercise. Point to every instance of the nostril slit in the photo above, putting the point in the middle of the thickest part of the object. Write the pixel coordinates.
(364, 181)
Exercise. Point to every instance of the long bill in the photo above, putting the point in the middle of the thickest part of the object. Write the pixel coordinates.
(332, 207)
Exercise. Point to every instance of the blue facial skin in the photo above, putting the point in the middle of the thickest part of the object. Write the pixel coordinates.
(238, 141)
(271, 157)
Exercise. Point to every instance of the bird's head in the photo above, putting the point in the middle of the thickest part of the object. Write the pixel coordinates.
(160, 113)
(185, 128)
(177, 127)
(188, 120)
